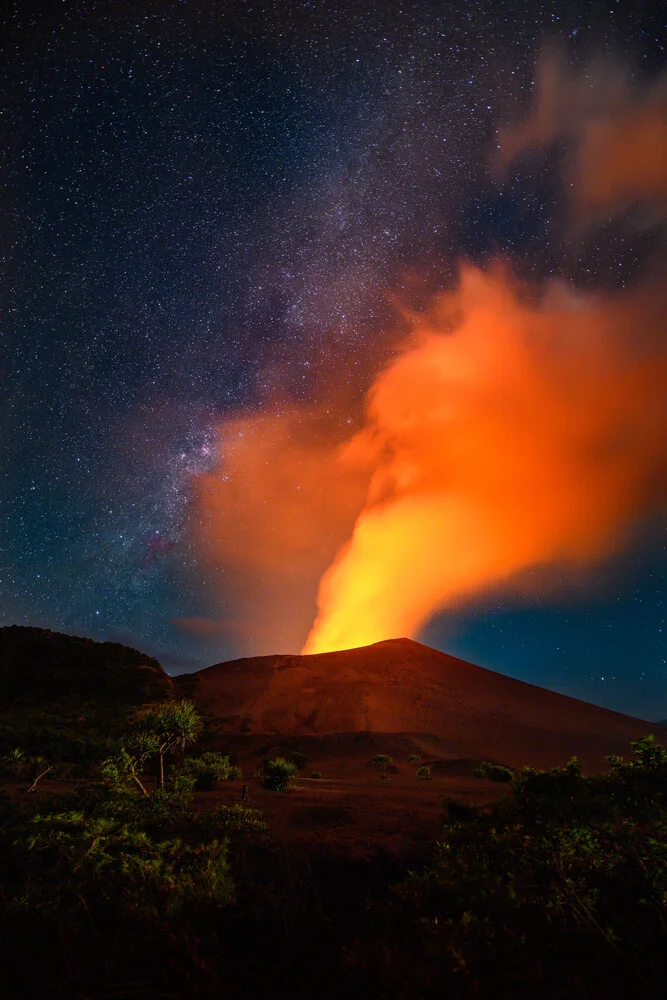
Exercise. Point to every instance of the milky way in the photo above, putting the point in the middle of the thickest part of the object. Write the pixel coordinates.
(208, 205)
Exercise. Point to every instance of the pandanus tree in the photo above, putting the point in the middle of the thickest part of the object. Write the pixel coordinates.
(128, 759)
(173, 726)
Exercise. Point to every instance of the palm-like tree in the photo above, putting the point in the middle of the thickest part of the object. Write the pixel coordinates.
(175, 725)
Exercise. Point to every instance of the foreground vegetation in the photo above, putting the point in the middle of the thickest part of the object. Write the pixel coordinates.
(121, 887)
(558, 890)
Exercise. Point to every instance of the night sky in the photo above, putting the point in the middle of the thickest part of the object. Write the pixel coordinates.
(205, 203)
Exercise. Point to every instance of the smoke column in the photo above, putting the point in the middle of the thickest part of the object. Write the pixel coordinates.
(515, 427)
(614, 131)
(517, 432)
(511, 434)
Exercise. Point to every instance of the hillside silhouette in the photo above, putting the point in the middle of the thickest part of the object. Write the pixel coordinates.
(64, 694)
(38, 666)
(447, 708)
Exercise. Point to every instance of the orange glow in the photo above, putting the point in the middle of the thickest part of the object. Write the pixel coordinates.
(509, 434)
(270, 519)
(624, 159)
(517, 428)
(616, 133)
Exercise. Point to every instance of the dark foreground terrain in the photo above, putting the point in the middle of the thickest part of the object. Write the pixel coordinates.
(398, 864)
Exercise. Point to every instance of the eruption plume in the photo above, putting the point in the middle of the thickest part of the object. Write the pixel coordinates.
(515, 428)
(510, 434)
(271, 518)
(516, 433)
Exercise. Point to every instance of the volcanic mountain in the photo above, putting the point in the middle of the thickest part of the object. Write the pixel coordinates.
(458, 709)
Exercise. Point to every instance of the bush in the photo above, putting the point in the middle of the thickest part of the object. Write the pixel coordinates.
(104, 889)
(383, 763)
(316, 774)
(495, 772)
(71, 856)
(414, 758)
(559, 889)
(15, 764)
(208, 770)
(423, 773)
(229, 820)
(278, 774)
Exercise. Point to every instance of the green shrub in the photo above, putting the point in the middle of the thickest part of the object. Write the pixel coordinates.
(15, 764)
(316, 774)
(558, 889)
(383, 762)
(23, 766)
(278, 774)
(495, 772)
(66, 858)
(229, 820)
(208, 770)
(423, 773)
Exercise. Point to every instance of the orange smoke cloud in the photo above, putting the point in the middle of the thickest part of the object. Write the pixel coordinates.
(272, 516)
(616, 133)
(514, 429)
(510, 434)
(625, 159)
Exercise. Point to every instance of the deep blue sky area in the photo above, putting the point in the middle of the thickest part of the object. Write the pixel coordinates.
(193, 194)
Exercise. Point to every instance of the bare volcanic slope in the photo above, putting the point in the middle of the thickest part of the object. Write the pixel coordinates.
(458, 709)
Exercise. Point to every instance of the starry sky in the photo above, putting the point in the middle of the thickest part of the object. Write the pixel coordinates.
(201, 203)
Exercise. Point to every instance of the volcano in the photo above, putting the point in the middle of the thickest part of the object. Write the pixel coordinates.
(457, 709)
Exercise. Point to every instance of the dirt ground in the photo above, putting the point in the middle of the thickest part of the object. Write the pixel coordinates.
(351, 810)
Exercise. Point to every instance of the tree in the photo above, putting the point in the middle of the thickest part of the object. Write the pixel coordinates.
(126, 762)
(174, 725)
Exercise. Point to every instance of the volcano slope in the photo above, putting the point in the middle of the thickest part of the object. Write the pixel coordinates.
(451, 708)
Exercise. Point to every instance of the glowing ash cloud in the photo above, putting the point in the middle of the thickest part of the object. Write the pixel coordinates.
(518, 427)
(511, 434)
(271, 517)
(516, 433)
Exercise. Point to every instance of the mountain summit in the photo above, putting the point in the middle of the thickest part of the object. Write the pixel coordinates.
(402, 686)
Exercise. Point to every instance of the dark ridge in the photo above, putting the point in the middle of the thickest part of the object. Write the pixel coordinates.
(40, 667)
